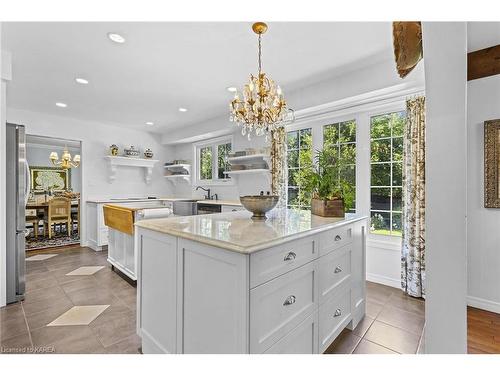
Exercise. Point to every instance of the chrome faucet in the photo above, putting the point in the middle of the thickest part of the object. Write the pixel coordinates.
(208, 195)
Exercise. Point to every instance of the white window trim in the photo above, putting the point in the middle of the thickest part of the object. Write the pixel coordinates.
(213, 142)
(361, 111)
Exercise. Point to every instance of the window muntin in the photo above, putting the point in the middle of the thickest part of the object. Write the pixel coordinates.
(299, 156)
(386, 149)
(340, 137)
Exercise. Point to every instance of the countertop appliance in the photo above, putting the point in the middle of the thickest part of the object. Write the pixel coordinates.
(18, 187)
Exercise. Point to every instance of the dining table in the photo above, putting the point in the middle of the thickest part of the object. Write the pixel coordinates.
(44, 206)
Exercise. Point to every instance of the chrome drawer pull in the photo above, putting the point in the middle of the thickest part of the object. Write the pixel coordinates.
(338, 238)
(290, 256)
(289, 301)
(338, 269)
(338, 312)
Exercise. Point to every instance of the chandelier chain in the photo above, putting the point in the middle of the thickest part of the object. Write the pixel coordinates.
(260, 54)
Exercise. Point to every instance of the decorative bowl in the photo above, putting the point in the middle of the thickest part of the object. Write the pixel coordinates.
(259, 204)
(131, 152)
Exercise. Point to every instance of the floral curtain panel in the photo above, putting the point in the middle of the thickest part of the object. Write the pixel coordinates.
(413, 244)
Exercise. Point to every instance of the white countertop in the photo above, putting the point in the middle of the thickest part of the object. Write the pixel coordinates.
(236, 231)
(167, 199)
(220, 201)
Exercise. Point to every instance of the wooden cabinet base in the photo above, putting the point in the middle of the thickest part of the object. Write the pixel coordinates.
(328, 208)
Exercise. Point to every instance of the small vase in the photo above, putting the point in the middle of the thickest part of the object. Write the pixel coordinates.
(148, 154)
(328, 208)
(113, 150)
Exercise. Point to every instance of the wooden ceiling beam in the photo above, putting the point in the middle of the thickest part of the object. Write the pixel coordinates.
(483, 63)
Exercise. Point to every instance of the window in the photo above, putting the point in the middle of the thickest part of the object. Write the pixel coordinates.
(211, 160)
(340, 138)
(300, 155)
(386, 133)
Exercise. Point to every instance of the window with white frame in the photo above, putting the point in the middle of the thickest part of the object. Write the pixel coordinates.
(299, 156)
(211, 160)
(386, 138)
(340, 138)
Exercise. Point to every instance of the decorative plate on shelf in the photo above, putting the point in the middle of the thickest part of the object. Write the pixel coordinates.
(131, 152)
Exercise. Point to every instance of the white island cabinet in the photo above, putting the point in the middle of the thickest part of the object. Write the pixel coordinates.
(224, 283)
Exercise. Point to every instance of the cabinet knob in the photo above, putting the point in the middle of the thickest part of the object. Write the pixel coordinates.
(290, 256)
(338, 238)
(338, 312)
(289, 301)
(338, 269)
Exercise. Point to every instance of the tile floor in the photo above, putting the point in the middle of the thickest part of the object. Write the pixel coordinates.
(393, 324)
(74, 304)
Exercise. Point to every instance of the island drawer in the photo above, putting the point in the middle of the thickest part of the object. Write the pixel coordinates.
(334, 239)
(279, 305)
(270, 263)
(334, 271)
(302, 340)
(334, 315)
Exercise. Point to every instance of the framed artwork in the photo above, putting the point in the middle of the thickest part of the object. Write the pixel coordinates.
(45, 178)
(492, 164)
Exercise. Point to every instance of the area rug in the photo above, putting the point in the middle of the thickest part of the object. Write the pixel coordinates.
(60, 239)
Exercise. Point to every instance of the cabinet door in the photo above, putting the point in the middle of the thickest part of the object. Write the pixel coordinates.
(215, 299)
(157, 286)
(302, 340)
(279, 305)
(334, 271)
(334, 315)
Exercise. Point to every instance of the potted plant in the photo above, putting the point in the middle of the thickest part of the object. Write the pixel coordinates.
(322, 180)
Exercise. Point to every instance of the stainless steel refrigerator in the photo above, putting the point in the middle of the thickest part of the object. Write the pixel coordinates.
(18, 187)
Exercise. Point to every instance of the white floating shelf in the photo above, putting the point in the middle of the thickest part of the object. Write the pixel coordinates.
(123, 161)
(249, 158)
(174, 178)
(248, 171)
(176, 166)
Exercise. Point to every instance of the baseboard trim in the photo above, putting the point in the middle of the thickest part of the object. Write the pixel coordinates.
(483, 304)
(379, 279)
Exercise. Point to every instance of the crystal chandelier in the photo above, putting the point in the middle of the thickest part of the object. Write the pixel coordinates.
(66, 162)
(261, 106)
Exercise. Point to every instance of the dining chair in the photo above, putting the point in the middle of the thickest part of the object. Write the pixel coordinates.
(58, 212)
(31, 217)
(75, 217)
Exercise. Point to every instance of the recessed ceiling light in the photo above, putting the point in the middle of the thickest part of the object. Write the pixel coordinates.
(182, 109)
(62, 105)
(117, 38)
(232, 89)
(82, 81)
(150, 123)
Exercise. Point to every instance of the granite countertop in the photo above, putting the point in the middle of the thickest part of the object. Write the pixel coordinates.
(236, 231)
(220, 201)
(136, 207)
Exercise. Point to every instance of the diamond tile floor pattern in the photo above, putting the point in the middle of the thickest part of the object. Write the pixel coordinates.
(74, 304)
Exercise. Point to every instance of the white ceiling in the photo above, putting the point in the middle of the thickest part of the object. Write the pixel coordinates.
(482, 35)
(164, 66)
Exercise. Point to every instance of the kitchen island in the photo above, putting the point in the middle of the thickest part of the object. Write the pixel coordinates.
(223, 283)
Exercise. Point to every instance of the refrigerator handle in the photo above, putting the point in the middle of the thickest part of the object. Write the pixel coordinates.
(27, 187)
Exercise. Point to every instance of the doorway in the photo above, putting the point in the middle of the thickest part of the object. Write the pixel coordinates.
(53, 207)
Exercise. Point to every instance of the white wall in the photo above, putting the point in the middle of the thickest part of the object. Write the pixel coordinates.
(38, 156)
(483, 235)
(445, 48)
(96, 138)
